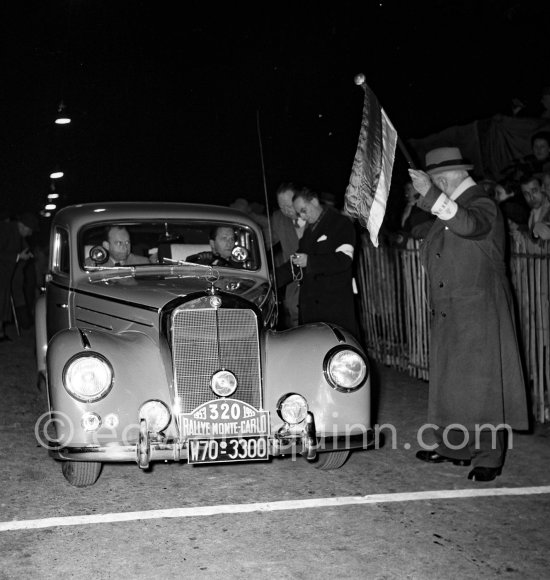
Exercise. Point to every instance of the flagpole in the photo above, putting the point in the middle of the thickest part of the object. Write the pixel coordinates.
(361, 81)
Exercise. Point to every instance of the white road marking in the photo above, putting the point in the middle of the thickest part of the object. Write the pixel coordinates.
(273, 506)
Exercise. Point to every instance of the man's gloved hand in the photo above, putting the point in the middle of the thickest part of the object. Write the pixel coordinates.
(421, 181)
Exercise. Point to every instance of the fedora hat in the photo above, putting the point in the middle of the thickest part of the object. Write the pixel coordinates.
(445, 159)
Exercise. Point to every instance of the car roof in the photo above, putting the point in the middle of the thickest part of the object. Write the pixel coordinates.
(76, 216)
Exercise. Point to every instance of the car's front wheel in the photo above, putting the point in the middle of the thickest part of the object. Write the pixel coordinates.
(332, 459)
(81, 473)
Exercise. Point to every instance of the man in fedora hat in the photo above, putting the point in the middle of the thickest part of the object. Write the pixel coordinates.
(477, 390)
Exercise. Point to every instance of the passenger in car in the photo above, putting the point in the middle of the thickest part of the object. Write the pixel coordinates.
(117, 243)
(222, 242)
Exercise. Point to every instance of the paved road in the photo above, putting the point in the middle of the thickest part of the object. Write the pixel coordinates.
(365, 520)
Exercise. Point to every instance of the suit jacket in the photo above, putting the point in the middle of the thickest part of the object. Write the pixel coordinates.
(476, 372)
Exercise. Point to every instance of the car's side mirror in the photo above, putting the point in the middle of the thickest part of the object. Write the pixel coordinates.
(99, 255)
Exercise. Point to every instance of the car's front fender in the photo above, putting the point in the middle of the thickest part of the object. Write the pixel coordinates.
(141, 372)
(294, 364)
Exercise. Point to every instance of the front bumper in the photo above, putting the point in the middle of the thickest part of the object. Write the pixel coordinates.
(280, 444)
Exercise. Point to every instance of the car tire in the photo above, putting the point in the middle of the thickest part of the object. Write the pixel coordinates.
(81, 473)
(332, 459)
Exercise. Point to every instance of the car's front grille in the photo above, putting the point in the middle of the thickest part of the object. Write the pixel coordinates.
(205, 341)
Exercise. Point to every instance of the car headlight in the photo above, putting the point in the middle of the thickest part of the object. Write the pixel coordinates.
(223, 383)
(88, 377)
(345, 369)
(156, 414)
(292, 408)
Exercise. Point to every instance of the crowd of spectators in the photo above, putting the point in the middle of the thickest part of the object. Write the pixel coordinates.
(522, 191)
(523, 194)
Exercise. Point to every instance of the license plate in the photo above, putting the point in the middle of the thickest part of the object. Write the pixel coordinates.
(225, 449)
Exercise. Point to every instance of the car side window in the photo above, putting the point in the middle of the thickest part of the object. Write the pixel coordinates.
(61, 256)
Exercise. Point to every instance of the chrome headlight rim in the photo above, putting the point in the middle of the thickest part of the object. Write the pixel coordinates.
(142, 415)
(88, 398)
(283, 399)
(327, 371)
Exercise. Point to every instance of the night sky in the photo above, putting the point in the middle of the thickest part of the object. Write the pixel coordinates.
(166, 97)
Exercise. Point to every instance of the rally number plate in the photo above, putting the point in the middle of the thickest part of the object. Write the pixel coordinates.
(212, 450)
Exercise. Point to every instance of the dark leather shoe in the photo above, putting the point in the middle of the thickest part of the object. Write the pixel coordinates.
(484, 473)
(435, 457)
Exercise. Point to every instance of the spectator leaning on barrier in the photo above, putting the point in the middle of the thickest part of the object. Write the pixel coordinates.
(538, 201)
(477, 391)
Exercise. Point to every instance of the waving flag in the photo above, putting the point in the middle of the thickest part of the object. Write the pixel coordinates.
(369, 184)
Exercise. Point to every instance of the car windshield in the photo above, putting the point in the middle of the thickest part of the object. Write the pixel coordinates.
(131, 243)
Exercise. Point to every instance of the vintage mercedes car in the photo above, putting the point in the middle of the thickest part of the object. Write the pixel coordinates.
(161, 359)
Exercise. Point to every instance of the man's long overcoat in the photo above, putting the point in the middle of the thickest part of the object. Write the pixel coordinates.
(476, 372)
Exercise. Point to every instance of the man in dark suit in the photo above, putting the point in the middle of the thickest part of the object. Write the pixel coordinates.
(325, 257)
(477, 390)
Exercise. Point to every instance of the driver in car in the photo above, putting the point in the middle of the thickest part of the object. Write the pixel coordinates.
(117, 243)
(222, 242)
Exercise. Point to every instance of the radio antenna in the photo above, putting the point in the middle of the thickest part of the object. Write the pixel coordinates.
(267, 209)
